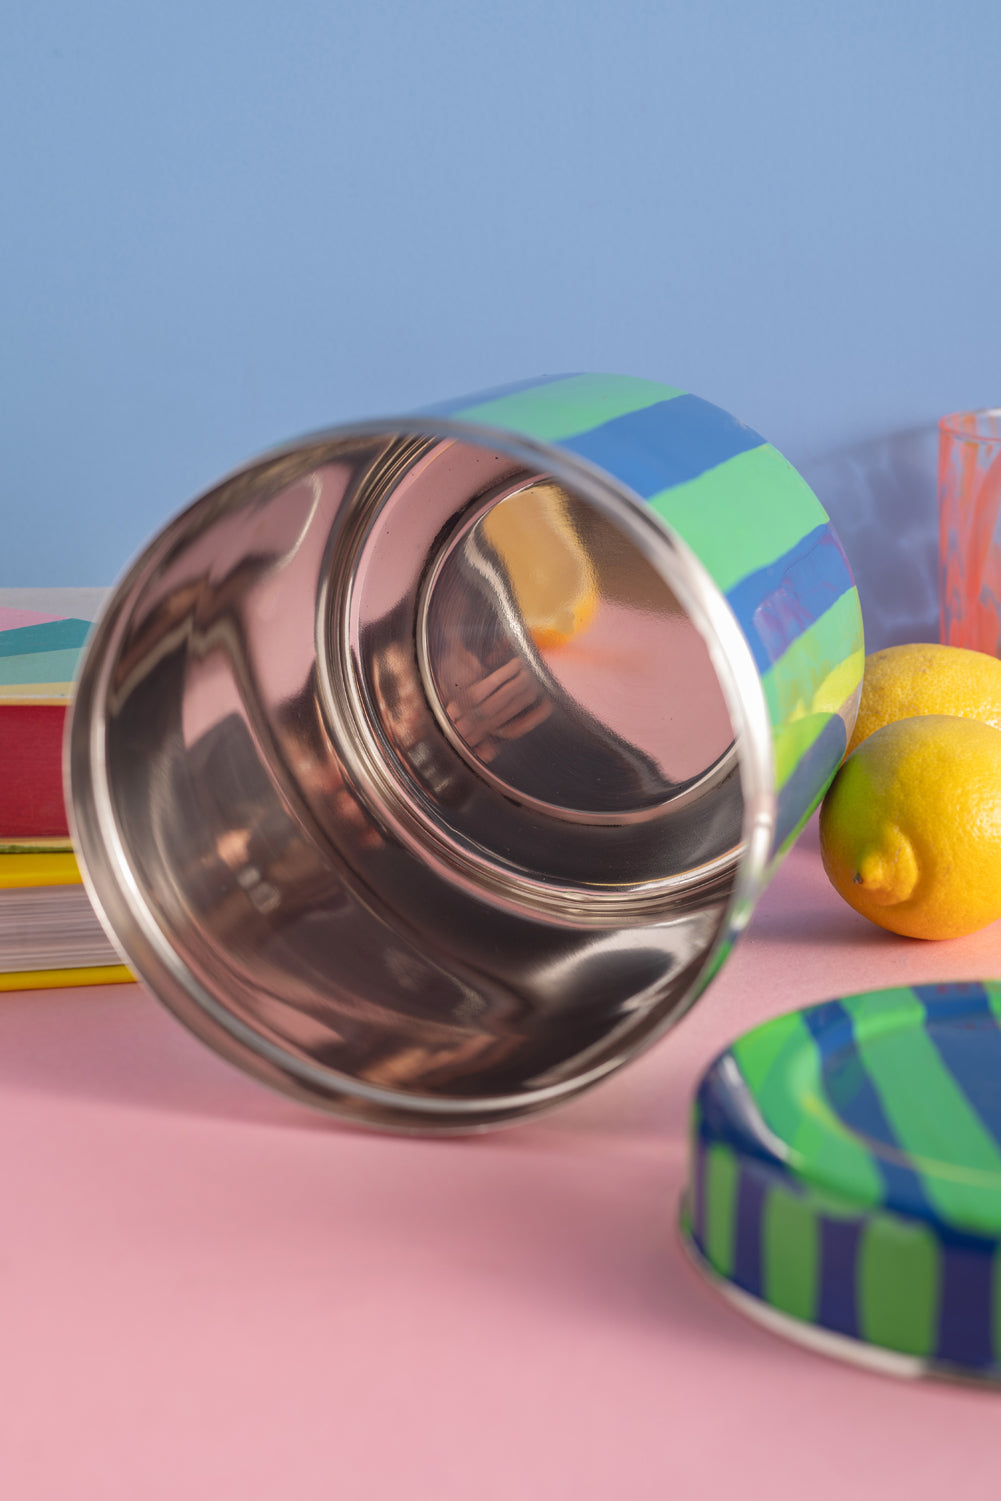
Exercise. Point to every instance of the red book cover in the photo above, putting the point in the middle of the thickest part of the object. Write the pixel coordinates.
(40, 646)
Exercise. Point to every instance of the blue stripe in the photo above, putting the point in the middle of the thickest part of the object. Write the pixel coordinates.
(460, 403)
(965, 1031)
(751, 1193)
(836, 1304)
(852, 1095)
(699, 1193)
(53, 635)
(806, 784)
(665, 444)
(724, 1115)
(967, 1289)
(778, 603)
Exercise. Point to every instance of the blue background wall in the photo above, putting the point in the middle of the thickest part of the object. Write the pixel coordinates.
(231, 221)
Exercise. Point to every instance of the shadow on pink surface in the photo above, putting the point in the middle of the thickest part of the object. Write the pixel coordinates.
(117, 1046)
(516, 1214)
(220, 1292)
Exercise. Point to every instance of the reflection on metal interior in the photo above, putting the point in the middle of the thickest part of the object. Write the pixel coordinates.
(542, 712)
(405, 777)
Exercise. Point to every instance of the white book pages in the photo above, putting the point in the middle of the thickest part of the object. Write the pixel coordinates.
(51, 927)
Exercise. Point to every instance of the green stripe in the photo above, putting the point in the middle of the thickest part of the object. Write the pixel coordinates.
(992, 989)
(777, 508)
(40, 667)
(565, 408)
(792, 740)
(757, 1052)
(898, 1285)
(788, 1088)
(793, 683)
(930, 1115)
(790, 1254)
(720, 1207)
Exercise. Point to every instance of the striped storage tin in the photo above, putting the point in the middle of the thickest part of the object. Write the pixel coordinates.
(460, 744)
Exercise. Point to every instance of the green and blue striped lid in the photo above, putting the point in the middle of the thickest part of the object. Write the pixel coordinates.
(845, 1174)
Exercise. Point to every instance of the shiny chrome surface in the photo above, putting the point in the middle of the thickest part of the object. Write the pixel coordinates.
(416, 771)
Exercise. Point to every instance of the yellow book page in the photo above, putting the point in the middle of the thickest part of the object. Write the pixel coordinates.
(34, 695)
(38, 844)
(58, 868)
(55, 979)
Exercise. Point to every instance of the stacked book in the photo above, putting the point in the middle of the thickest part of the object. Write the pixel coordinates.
(49, 932)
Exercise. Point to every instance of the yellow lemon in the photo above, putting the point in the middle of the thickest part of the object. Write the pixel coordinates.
(902, 681)
(547, 563)
(910, 830)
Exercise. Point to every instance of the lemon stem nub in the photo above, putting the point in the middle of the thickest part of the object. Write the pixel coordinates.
(889, 873)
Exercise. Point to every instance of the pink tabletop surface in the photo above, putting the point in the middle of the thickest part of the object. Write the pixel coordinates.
(208, 1291)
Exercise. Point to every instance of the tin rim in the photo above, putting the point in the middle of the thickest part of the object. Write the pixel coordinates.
(878, 1359)
(130, 919)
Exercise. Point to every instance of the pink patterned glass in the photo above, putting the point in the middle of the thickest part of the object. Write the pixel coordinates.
(969, 498)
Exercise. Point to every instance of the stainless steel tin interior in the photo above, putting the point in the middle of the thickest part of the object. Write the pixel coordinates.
(422, 772)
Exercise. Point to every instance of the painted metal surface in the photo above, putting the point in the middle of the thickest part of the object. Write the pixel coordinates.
(846, 1172)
